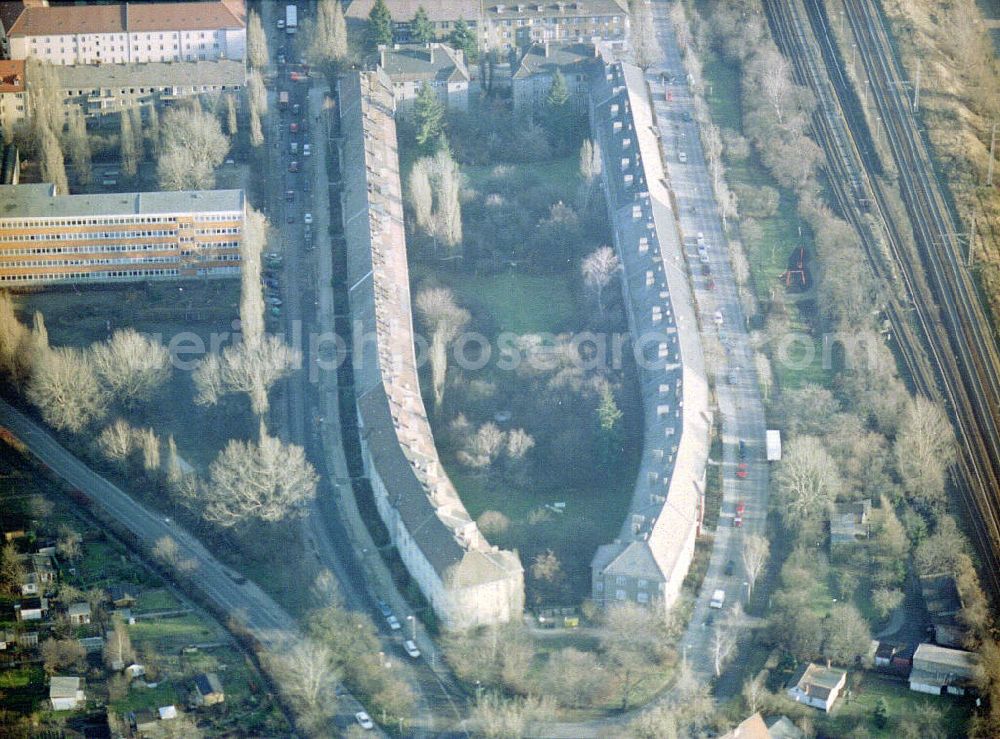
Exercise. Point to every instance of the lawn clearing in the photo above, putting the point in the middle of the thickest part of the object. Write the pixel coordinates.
(519, 303)
(147, 699)
(157, 599)
(170, 634)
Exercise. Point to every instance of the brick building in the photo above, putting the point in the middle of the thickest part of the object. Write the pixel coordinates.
(48, 238)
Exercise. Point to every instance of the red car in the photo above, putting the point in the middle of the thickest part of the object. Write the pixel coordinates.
(741, 470)
(738, 518)
(293, 127)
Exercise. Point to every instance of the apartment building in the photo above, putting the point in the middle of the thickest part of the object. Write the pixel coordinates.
(504, 26)
(410, 66)
(531, 80)
(98, 89)
(122, 33)
(648, 560)
(49, 238)
(467, 581)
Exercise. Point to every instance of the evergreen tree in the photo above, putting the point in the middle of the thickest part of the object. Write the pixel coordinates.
(464, 38)
(379, 25)
(558, 93)
(429, 114)
(421, 28)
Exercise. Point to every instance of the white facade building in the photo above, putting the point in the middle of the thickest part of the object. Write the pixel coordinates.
(126, 33)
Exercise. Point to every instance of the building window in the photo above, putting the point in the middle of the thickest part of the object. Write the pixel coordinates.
(642, 597)
(620, 595)
(621, 580)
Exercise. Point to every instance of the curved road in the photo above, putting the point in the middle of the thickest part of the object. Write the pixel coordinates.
(268, 622)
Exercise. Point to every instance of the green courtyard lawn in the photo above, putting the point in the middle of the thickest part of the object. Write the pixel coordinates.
(519, 303)
(859, 708)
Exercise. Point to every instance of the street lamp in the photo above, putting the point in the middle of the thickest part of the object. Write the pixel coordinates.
(413, 624)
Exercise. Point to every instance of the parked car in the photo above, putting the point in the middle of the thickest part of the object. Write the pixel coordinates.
(682, 157)
(741, 470)
(364, 720)
(411, 648)
(308, 218)
(729, 568)
(705, 269)
(306, 150)
(703, 256)
(393, 622)
(272, 300)
(742, 449)
(718, 318)
(738, 518)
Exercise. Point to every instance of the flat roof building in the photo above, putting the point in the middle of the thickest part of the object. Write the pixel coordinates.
(48, 238)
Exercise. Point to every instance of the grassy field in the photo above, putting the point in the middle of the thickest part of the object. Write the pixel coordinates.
(171, 634)
(147, 699)
(158, 599)
(561, 174)
(519, 303)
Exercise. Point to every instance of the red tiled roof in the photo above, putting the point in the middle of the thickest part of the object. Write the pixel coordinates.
(12, 76)
(52, 21)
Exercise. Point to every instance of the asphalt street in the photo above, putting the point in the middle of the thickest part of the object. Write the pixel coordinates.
(268, 622)
(739, 398)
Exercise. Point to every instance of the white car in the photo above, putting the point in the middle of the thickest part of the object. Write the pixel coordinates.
(308, 218)
(281, 23)
(682, 157)
(364, 720)
(411, 648)
(718, 318)
(393, 623)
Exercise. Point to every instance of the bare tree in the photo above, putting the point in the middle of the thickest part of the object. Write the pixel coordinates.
(776, 80)
(497, 717)
(546, 567)
(153, 132)
(53, 167)
(265, 481)
(725, 637)
(193, 146)
(126, 145)
(131, 366)
(251, 367)
(590, 160)
(257, 92)
(39, 333)
(645, 48)
(446, 180)
(232, 125)
(764, 374)
(168, 552)
(421, 195)
(846, 635)
(140, 139)
(118, 652)
(519, 443)
(755, 691)
(493, 524)
(326, 40)
(257, 52)
(11, 570)
(808, 480)
(59, 654)
(634, 641)
(208, 380)
(925, 447)
(256, 129)
(442, 315)
(574, 678)
(68, 544)
(65, 388)
(17, 348)
(886, 600)
(756, 551)
(304, 673)
(598, 268)
(77, 143)
(149, 445)
(484, 447)
(255, 233)
(45, 101)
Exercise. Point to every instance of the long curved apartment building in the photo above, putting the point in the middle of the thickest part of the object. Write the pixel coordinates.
(649, 559)
(467, 581)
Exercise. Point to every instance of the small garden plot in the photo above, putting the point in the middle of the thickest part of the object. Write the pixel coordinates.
(168, 635)
(156, 599)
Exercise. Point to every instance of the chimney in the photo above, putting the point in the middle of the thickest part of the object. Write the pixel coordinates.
(430, 52)
(546, 48)
(383, 55)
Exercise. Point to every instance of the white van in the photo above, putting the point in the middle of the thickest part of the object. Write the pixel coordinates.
(295, 147)
(718, 598)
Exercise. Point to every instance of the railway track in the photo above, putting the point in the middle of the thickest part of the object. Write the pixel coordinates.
(933, 311)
